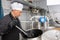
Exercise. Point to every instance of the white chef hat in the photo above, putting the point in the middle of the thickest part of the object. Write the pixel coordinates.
(17, 6)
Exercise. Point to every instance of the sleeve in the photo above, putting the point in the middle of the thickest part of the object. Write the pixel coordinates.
(3, 26)
(19, 25)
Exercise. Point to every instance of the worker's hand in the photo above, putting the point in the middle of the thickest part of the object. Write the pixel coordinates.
(13, 23)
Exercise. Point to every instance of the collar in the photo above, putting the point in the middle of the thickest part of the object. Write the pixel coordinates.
(12, 17)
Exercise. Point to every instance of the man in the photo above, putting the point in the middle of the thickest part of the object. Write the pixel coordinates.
(7, 24)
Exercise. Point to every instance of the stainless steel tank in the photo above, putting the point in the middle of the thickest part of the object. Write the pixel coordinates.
(37, 38)
(51, 35)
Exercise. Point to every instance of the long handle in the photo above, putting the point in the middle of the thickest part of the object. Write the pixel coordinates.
(21, 30)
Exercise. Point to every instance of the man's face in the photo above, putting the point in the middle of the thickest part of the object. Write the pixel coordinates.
(17, 13)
